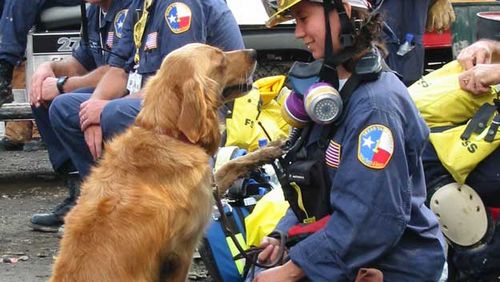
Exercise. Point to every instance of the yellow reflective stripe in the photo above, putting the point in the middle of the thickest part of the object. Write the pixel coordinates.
(300, 203)
(139, 28)
(240, 264)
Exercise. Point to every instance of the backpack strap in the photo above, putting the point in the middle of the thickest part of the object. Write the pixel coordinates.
(479, 121)
(492, 131)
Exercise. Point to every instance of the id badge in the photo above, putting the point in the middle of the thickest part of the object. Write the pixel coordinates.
(134, 82)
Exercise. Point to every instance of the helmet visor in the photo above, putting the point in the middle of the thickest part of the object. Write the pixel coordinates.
(278, 11)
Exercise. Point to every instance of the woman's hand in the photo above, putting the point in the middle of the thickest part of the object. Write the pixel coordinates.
(284, 273)
(271, 249)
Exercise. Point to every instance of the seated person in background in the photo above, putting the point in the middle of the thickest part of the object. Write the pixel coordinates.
(478, 262)
(83, 69)
(83, 120)
(17, 18)
(479, 75)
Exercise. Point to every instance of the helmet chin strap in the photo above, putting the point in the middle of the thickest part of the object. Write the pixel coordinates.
(328, 71)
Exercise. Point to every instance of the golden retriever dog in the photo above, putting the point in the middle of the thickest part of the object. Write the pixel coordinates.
(145, 206)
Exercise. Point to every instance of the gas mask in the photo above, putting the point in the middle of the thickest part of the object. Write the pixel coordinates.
(310, 99)
(314, 100)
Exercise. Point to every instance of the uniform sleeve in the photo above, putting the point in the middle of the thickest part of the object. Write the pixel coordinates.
(223, 30)
(122, 52)
(370, 198)
(83, 53)
(287, 221)
(175, 24)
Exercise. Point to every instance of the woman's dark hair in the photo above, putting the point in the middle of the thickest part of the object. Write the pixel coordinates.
(368, 33)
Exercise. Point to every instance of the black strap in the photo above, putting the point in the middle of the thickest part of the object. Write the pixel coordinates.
(84, 21)
(347, 28)
(492, 131)
(250, 254)
(346, 92)
(328, 71)
(479, 121)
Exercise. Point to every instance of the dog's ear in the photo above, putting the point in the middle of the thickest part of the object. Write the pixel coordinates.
(193, 110)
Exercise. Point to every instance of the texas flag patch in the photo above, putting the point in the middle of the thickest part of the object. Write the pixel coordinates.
(375, 146)
(178, 17)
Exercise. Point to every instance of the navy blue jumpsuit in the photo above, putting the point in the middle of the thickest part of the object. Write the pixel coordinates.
(377, 193)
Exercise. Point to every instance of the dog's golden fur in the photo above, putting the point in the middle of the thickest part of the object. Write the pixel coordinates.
(145, 206)
(240, 167)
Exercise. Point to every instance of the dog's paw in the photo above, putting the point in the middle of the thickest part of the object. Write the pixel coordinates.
(272, 151)
(240, 167)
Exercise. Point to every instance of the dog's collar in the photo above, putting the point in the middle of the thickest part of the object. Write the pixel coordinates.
(175, 134)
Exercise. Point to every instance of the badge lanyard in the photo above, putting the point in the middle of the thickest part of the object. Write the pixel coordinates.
(139, 28)
(101, 14)
(134, 82)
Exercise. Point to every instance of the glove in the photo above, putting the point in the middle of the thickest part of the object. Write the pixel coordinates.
(440, 16)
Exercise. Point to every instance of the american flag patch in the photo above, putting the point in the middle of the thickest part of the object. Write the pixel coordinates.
(109, 39)
(332, 155)
(151, 41)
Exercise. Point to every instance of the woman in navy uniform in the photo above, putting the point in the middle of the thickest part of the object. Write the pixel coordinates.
(82, 70)
(83, 120)
(372, 164)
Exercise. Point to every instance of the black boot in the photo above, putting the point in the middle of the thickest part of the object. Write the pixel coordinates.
(6, 70)
(50, 222)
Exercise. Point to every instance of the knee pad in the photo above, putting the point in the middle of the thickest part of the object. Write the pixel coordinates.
(462, 216)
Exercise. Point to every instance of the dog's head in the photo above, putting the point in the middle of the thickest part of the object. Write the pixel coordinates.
(192, 82)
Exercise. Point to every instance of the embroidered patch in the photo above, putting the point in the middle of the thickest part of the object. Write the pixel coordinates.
(332, 155)
(375, 146)
(109, 39)
(178, 17)
(151, 41)
(119, 20)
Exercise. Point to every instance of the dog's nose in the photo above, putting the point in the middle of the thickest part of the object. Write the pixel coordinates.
(252, 54)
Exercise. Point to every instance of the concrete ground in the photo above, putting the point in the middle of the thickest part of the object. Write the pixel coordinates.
(27, 186)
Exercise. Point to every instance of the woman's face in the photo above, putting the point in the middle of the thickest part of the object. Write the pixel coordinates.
(310, 27)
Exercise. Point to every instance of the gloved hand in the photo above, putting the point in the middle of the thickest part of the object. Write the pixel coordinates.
(440, 16)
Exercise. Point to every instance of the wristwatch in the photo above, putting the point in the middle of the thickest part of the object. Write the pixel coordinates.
(60, 83)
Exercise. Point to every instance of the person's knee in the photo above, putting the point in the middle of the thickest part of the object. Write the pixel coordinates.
(55, 113)
(110, 116)
(61, 110)
(116, 116)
